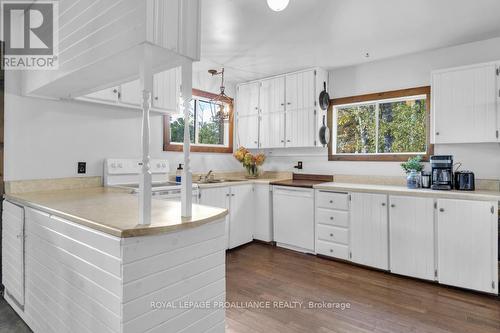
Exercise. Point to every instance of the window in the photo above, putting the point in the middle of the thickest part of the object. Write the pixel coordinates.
(390, 126)
(208, 131)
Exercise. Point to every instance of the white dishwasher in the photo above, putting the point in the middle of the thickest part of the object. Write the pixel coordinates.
(293, 218)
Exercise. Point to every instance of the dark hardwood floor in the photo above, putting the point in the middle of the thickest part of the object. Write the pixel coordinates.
(380, 302)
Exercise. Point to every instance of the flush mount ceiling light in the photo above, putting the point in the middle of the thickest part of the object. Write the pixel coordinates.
(277, 5)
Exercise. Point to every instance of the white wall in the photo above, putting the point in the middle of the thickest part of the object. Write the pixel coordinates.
(46, 139)
(398, 73)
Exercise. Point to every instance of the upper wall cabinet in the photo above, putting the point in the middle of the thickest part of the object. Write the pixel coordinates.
(284, 107)
(465, 104)
(101, 44)
(166, 92)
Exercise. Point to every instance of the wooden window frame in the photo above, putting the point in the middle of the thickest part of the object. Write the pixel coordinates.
(169, 146)
(381, 157)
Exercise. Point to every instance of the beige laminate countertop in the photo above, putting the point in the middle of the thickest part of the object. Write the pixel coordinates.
(401, 190)
(115, 211)
(235, 181)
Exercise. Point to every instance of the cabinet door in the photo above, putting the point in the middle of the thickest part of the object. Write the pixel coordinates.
(247, 101)
(130, 93)
(300, 124)
(369, 230)
(465, 105)
(467, 244)
(411, 230)
(13, 250)
(293, 217)
(166, 90)
(241, 213)
(272, 106)
(262, 207)
(248, 131)
(105, 95)
(217, 197)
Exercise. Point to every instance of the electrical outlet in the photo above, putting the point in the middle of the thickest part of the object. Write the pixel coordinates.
(82, 167)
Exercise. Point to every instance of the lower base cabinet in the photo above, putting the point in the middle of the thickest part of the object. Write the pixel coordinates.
(369, 230)
(293, 218)
(411, 233)
(239, 201)
(467, 244)
(263, 228)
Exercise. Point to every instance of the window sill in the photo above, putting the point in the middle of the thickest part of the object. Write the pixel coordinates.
(379, 157)
(199, 149)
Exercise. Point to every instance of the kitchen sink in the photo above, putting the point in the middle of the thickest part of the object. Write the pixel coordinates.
(216, 181)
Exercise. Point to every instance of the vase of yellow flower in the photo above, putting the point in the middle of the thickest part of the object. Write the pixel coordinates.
(250, 162)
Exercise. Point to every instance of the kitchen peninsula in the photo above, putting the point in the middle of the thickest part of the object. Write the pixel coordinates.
(104, 271)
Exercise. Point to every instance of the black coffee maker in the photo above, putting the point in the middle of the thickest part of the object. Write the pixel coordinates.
(442, 172)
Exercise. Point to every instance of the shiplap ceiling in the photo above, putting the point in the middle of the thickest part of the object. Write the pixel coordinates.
(252, 41)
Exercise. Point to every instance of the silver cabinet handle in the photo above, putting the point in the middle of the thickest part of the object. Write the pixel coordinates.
(288, 103)
(282, 104)
(287, 140)
(156, 98)
(331, 250)
(437, 133)
(115, 91)
(383, 203)
(331, 218)
(282, 140)
(331, 201)
(393, 205)
(331, 235)
(441, 210)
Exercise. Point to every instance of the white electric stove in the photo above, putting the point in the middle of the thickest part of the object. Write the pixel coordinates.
(124, 173)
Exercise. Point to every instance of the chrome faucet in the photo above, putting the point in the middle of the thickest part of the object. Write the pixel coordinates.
(207, 176)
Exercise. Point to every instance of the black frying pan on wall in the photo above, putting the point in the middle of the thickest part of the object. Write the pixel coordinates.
(324, 98)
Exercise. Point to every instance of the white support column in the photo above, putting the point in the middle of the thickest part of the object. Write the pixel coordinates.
(146, 83)
(187, 181)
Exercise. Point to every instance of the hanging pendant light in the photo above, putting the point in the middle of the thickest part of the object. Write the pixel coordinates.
(218, 103)
(277, 5)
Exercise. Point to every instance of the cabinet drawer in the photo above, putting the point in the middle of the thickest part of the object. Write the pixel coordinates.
(332, 249)
(332, 200)
(333, 234)
(332, 217)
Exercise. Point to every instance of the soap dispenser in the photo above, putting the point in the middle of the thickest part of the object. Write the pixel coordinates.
(178, 173)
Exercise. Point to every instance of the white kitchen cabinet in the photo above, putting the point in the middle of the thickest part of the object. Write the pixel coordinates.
(301, 103)
(248, 131)
(13, 251)
(369, 230)
(293, 218)
(263, 228)
(285, 109)
(272, 107)
(217, 197)
(130, 93)
(165, 97)
(108, 95)
(241, 215)
(467, 244)
(465, 105)
(239, 200)
(411, 231)
(166, 90)
(248, 99)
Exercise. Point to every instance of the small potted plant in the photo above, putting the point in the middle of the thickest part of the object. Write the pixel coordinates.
(250, 162)
(413, 167)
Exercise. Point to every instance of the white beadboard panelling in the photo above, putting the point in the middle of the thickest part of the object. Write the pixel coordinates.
(210, 323)
(411, 231)
(241, 219)
(467, 244)
(193, 289)
(74, 303)
(94, 291)
(136, 248)
(248, 131)
(13, 250)
(87, 254)
(155, 281)
(369, 230)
